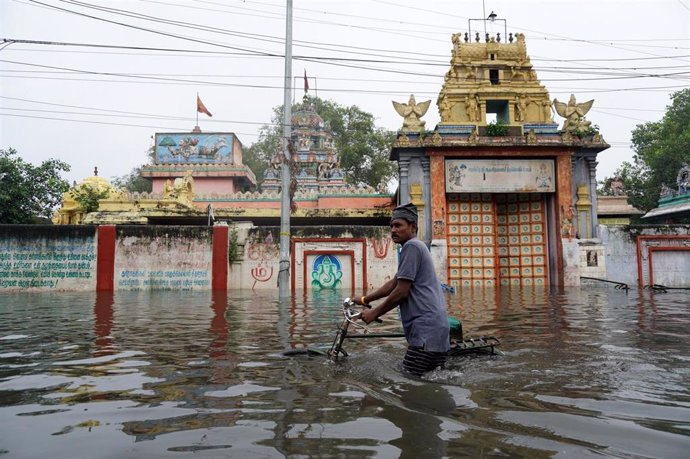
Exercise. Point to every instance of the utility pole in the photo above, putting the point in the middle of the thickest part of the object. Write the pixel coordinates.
(284, 267)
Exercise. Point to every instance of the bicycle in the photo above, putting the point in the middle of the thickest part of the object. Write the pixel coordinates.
(458, 344)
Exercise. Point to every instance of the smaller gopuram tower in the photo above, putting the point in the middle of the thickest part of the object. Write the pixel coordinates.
(316, 164)
(506, 195)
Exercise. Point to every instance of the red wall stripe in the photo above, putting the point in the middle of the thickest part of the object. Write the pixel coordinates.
(105, 261)
(219, 263)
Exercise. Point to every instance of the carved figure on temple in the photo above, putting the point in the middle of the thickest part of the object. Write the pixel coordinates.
(168, 190)
(666, 191)
(471, 73)
(411, 113)
(521, 107)
(324, 170)
(303, 143)
(183, 188)
(683, 179)
(444, 108)
(517, 72)
(617, 186)
(573, 113)
(451, 75)
(567, 222)
(455, 38)
(277, 160)
(546, 108)
(472, 107)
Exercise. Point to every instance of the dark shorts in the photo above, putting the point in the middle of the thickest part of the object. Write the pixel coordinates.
(418, 361)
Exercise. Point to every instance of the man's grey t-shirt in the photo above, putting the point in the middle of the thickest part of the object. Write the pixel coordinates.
(423, 312)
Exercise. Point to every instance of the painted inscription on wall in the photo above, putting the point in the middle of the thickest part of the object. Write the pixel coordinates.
(500, 175)
(261, 259)
(163, 263)
(47, 264)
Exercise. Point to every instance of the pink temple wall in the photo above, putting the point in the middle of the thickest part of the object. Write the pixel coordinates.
(206, 185)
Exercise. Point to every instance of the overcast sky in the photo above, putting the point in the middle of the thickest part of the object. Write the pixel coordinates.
(100, 106)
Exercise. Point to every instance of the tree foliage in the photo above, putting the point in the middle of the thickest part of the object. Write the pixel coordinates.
(661, 148)
(133, 181)
(28, 193)
(362, 147)
(87, 196)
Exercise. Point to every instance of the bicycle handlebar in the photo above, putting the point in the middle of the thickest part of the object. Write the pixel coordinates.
(352, 316)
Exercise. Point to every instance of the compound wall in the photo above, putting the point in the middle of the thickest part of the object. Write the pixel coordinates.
(113, 258)
(242, 256)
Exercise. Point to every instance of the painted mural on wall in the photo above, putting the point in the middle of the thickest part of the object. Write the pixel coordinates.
(329, 263)
(188, 147)
(500, 175)
(326, 273)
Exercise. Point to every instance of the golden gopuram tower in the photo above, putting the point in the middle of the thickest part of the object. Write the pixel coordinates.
(507, 195)
(492, 80)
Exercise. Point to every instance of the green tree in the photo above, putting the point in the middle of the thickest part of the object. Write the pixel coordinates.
(257, 157)
(28, 193)
(133, 181)
(637, 185)
(88, 196)
(363, 148)
(661, 148)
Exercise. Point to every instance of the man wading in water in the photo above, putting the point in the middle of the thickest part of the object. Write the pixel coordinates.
(416, 289)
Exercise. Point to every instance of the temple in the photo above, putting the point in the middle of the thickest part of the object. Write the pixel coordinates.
(200, 177)
(506, 193)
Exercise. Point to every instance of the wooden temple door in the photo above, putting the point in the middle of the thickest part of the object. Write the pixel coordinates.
(521, 231)
(496, 239)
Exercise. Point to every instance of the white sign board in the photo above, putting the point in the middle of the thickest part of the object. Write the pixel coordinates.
(500, 176)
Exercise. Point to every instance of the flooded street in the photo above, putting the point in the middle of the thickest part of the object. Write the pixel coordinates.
(590, 372)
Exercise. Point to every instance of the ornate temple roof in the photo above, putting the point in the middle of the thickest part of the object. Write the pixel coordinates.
(495, 75)
(316, 164)
(491, 96)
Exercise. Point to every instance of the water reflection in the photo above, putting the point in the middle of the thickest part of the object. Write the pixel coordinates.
(586, 372)
(103, 322)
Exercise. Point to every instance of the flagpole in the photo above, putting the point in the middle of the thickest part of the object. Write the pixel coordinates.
(197, 109)
(284, 267)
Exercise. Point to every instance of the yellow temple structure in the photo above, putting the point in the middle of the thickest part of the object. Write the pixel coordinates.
(503, 189)
(199, 177)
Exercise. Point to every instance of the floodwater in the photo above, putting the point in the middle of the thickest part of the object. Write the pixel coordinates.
(586, 372)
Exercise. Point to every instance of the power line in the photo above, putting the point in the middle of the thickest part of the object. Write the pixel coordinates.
(142, 79)
(253, 36)
(168, 128)
(264, 53)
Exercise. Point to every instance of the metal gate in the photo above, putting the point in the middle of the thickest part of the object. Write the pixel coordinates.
(496, 239)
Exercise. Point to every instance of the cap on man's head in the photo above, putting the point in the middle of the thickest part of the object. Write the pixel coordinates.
(407, 211)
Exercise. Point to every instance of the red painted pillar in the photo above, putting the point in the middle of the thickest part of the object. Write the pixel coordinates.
(105, 261)
(219, 262)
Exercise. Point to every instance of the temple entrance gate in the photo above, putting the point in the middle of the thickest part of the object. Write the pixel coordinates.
(497, 239)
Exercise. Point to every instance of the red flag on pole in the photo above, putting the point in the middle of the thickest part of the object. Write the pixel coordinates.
(200, 107)
(306, 82)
